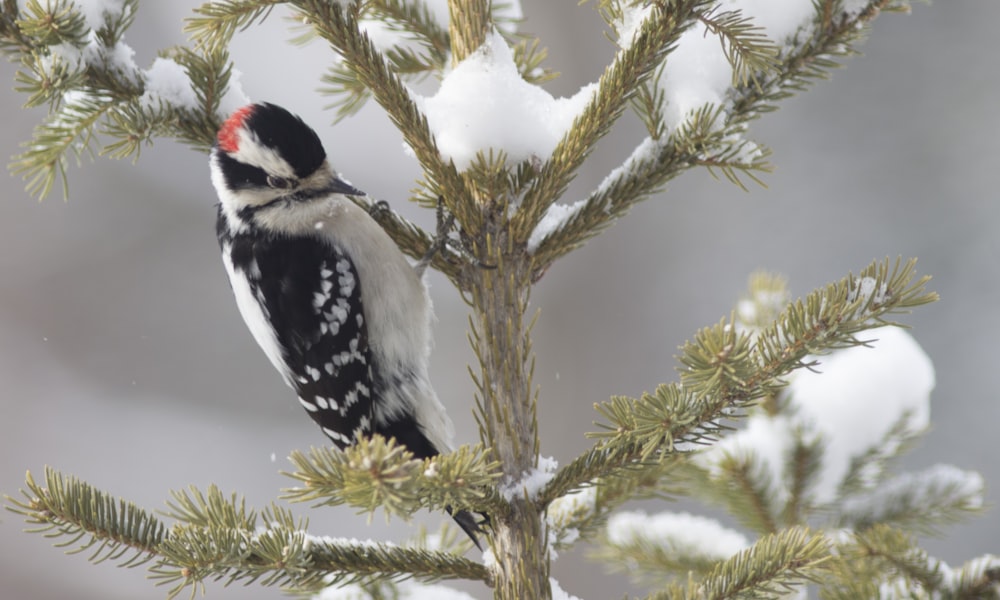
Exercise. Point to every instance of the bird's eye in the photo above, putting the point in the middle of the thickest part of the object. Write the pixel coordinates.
(280, 183)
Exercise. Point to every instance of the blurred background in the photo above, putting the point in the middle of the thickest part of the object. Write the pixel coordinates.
(123, 359)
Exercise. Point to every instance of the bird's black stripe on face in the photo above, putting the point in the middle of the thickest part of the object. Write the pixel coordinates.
(240, 176)
(246, 213)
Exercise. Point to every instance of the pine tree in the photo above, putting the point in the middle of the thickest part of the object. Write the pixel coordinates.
(853, 539)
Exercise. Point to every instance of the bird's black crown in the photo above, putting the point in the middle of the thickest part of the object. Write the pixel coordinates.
(288, 135)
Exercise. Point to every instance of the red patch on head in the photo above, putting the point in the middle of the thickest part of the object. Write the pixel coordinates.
(229, 139)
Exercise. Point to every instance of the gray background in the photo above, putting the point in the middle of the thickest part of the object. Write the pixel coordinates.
(123, 359)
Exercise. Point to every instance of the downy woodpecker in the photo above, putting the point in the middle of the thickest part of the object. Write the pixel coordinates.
(326, 293)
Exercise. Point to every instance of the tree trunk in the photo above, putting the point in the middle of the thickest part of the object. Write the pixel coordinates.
(501, 340)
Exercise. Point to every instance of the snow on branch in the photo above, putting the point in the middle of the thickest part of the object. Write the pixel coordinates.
(340, 29)
(667, 544)
(722, 72)
(883, 562)
(725, 372)
(773, 566)
(851, 403)
(921, 501)
(76, 60)
(721, 361)
(531, 482)
(632, 66)
(484, 103)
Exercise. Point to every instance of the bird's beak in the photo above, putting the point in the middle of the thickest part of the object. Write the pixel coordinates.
(340, 186)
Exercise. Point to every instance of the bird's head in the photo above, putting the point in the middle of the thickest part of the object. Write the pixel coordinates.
(265, 158)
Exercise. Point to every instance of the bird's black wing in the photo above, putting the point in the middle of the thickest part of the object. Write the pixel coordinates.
(311, 294)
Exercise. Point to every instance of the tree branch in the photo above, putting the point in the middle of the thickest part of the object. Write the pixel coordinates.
(725, 372)
(716, 134)
(468, 26)
(218, 538)
(340, 30)
(618, 85)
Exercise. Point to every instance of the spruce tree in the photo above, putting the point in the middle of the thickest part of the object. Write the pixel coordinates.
(853, 538)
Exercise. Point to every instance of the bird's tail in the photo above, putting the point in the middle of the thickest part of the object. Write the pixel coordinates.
(469, 524)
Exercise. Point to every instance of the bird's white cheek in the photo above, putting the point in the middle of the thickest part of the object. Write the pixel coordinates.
(251, 151)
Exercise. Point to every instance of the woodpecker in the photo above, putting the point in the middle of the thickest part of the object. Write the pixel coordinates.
(328, 296)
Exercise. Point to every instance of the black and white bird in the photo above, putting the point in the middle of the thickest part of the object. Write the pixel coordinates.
(326, 293)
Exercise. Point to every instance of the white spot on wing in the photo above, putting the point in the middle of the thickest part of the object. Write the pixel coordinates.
(336, 436)
(339, 312)
(346, 278)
